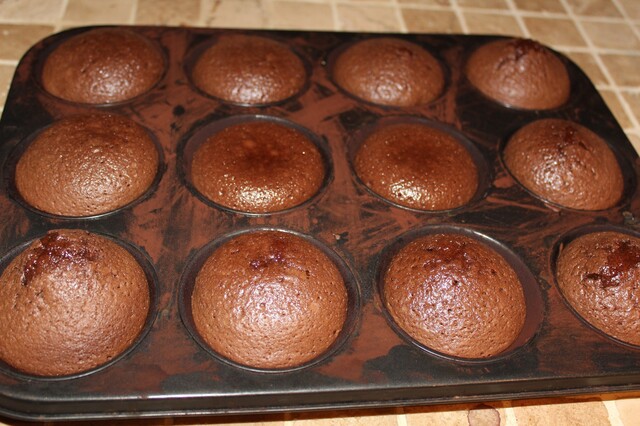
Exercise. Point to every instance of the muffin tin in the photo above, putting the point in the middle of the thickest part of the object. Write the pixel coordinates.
(168, 372)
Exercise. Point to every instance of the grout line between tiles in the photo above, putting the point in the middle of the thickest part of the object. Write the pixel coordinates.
(401, 417)
(460, 16)
(625, 17)
(399, 17)
(510, 418)
(63, 9)
(518, 17)
(134, 12)
(200, 18)
(614, 414)
(337, 24)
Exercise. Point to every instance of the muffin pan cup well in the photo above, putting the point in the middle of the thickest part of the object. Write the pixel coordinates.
(151, 277)
(534, 312)
(200, 257)
(193, 140)
(566, 239)
(11, 162)
(169, 373)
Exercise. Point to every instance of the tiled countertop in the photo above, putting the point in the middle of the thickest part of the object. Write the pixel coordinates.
(602, 36)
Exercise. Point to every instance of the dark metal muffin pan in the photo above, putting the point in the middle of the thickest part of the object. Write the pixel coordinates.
(169, 373)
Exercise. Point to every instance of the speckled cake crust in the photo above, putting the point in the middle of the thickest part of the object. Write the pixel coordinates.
(519, 73)
(455, 295)
(599, 275)
(269, 300)
(389, 71)
(258, 167)
(249, 70)
(102, 66)
(87, 165)
(417, 166)
(70, 302)
(565, 163)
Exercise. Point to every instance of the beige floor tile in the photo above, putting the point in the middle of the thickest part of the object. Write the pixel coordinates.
(367, 18)
(628, 409)
(430, 21)
(234, 14)
(16, 39)
(564, 411)
(623, 68)
(588, 64)
(487, 4)
(616, 108)
(378, 417)
(633, 100)
(168, 12)
(299, 15)
(554, 32)
(443, 3)
(611, 35)
(549, 6)
(99, 12)
(31, 10)
(486, 23)
(631, 8)
(491, 414)
(371, 2)
(6, 74)
(594, 8)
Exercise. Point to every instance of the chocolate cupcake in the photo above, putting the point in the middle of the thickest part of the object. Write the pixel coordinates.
(417, 166)
(249, 70)
(87, 165)
(103, 65)
(70, 302)
(565, 163)
(258, 167)
(455, 295)
(389, 71)
(599, 275)
(269, 300)
(519, 73)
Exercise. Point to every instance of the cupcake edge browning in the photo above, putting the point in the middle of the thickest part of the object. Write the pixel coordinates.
(70, 302)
